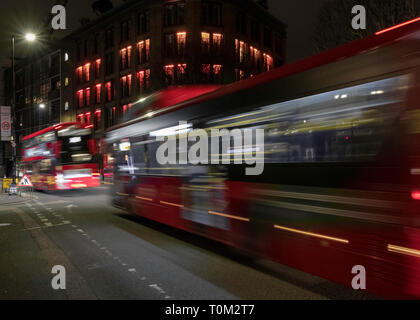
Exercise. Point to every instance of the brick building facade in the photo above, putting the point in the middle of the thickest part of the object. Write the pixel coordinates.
(143, 46)
(97, 72)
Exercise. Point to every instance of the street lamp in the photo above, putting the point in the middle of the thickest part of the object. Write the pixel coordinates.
(30, 37)
(42, 106)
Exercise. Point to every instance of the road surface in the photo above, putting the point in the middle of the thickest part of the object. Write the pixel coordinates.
(109, 254)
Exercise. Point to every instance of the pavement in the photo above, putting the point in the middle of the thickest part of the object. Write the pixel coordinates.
(109, 254)
(5, 199)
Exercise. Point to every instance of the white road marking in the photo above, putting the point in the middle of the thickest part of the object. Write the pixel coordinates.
(5, 224)
(156, 287)
(70, 206)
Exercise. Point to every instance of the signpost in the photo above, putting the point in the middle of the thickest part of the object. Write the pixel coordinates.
(5, 123)
(25, 182)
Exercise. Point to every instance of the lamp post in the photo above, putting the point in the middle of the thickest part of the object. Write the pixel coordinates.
(29, 37)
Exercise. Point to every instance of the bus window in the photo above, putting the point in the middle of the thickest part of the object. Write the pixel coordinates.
(75, 149)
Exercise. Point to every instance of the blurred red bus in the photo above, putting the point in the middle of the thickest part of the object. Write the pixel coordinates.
(159, 100)
(341, 183)
(64, 156)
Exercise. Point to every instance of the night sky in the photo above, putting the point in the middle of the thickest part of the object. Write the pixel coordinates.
(17, 16)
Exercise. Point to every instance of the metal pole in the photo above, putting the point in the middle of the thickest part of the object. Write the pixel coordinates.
(14, 110)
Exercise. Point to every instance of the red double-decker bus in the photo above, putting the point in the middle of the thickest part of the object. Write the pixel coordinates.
(64, 156)
(340, 189)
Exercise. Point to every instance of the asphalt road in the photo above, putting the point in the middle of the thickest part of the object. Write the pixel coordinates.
(108, 254)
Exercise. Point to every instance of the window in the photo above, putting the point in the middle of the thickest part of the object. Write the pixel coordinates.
(360, 122)
(268, 62)
(87, 117)
(87, 96)
(112, 116)
(55, 84)
(241, 52)
(181, 39)
(211, 73)
(80, 98)
(169, 45)
(109, 38)
(143, 22)
(268, 38)
(125, 30)
(83, 98)
(175, 45)
(206, 72)
(241, 23)
(109, 91)
(143, 80)
(205, 43)
(255, 57)
(86, 71)
(217, 73)
(239, 75)
(125, 57)
(97, 68)
(98, 89)
(143, 51)
(97, 119)
(181, 73)
(123, 54)
(169, 74)
(211, 14)
(81, 118)
(109, 63)
(54, 64)
(124, 109)
(175, 74)
(174, 14)
(125, 82)
(79, 75)
(217, 44)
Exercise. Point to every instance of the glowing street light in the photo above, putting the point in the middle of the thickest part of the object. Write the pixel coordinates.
(42, 105)
(30, 37)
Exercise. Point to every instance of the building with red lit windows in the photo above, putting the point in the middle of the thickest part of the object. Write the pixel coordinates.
(143, 46)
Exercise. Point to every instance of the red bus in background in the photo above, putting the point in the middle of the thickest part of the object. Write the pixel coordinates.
(64, 156)
(341, 183)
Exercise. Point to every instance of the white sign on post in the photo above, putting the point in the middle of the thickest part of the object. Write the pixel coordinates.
(5, 123)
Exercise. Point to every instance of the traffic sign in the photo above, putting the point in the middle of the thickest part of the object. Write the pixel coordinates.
(25, 182)
(5, 125)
